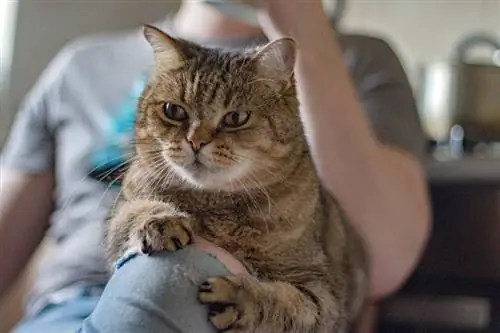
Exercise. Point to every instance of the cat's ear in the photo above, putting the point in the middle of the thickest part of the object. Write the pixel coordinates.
(167, 50)
(276, 60)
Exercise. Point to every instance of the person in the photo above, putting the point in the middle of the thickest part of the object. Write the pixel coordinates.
(360, 119)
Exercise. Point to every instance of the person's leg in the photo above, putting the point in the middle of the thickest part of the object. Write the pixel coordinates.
(65, 317)
(156, 294)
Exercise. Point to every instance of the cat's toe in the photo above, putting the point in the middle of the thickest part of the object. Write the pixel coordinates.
(226, 303)
(227, 321)
(219, 290)
(177, 235)
(164, 234)
(151, 237)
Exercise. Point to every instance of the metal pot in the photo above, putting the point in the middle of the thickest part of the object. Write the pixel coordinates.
(462, 93)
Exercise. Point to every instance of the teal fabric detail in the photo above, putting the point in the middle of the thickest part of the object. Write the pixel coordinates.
(110, 160)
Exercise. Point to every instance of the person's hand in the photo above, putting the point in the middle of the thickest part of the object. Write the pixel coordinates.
(294, 18)
(232, 264)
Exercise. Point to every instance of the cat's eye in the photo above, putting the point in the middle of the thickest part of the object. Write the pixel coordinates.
(174, 112)
(235, 119)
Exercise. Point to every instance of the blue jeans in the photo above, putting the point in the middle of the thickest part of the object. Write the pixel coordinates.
(146, 295)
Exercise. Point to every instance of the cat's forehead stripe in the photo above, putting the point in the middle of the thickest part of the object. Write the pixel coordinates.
(227, 99)
(182, 91)
(214, 86)
(196, 84)
(205, 83)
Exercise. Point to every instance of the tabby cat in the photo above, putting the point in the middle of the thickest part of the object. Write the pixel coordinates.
(221, 153)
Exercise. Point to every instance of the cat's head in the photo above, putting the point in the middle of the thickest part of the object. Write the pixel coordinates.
(220, 120)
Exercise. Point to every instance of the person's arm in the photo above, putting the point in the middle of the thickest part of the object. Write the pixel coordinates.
(27, 174)
(382, 189)
(25, 206)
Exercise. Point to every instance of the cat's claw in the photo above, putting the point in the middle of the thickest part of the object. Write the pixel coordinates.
(169, 234)
(229, 304)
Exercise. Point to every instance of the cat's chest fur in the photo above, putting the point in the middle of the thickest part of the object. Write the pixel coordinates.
(270, 236)
(272, 230)
(253, 218)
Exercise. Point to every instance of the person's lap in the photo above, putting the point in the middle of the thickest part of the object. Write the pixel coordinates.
(60, 318)
(147, 294)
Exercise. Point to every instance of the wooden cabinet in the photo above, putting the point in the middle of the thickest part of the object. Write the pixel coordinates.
(457, 284)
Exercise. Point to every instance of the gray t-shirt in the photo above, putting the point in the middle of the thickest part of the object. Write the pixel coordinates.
(64, 117)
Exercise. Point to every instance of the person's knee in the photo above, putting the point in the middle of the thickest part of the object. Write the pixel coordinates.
(156, 293)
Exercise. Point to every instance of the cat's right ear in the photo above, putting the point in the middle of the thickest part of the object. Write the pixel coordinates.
(276, 61)
(167, 52)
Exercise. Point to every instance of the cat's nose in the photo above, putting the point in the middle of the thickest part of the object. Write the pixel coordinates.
(196, 145)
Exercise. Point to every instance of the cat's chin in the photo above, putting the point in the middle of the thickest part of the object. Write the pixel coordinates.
(199, 176)
(208, 178)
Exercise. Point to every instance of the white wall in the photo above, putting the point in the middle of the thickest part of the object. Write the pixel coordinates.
(422, 30)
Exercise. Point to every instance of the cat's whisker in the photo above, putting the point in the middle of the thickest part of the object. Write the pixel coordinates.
(154, 185)
(152, 151)
(231, 189)
(170, 176)
(147, 175)
(159, 168)
(104, 194)
(110, 171)
(138, 176)
(164, 173)
(71, 195)
(134, 177)
(165, 179)
(246, 193)
(115, 202)
(259, 80)
(255, 204)
(112, 182)
(261, 188)
(259, 166)
(140, 140)
(271, 201)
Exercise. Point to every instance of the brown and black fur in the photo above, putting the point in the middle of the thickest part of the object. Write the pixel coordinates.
(307, 267)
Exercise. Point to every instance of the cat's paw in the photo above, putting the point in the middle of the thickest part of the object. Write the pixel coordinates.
(159, 234)
(231, 305)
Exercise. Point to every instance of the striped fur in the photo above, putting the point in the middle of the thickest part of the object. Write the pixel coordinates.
(256, 193)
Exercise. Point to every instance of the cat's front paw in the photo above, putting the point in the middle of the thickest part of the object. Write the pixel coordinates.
(168, 233)
(232, 309)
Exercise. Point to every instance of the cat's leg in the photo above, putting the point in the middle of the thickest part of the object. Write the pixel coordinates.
(243, 304)
(147, 226)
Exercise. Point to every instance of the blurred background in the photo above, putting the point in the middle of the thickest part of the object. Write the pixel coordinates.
(456, 287)
(33, 31)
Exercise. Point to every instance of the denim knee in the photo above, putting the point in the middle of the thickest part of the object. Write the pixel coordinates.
(156, 294)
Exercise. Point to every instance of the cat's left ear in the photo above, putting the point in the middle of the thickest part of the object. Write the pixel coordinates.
(276, 60)
(167, 51)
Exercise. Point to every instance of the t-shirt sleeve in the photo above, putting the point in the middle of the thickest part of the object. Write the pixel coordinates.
(386, 95)
(30, 146)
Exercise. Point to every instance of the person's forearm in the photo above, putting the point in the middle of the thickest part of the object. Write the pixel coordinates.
(25, 205)
(382, 190)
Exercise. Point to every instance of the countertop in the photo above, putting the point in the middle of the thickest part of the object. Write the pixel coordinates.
(463, 170)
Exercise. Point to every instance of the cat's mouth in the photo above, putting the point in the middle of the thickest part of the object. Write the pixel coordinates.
(197, 167)
(197, 164)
